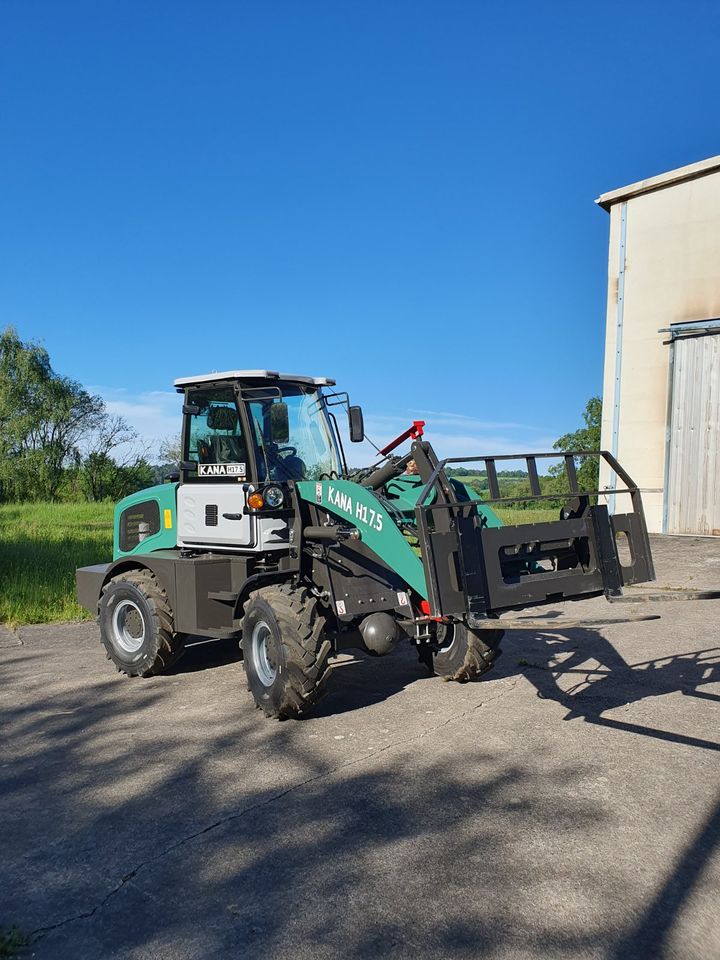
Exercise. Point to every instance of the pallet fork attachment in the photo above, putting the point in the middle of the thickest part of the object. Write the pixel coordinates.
(474, 571)
(666, 594)
(542, 625)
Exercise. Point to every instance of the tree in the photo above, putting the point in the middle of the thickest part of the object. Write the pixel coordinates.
(105, 479)
(104, 476)
(53, 431)
(171, 450)
(586, 438)
(43, 417)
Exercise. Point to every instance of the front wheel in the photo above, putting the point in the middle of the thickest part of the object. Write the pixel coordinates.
(460, 654)
(285, 651)
(136, 624)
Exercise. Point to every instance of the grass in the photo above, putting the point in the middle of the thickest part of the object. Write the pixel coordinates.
(512, 515)
(12, 942)
(41, 544)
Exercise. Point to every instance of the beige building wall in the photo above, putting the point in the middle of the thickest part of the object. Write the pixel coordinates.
(671, 275)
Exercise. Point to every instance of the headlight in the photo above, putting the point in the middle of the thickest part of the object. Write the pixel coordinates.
(274, 497)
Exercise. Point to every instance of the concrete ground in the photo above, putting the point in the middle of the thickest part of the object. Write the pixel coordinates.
(568, 806)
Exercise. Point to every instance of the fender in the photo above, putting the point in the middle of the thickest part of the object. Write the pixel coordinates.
(91, 580)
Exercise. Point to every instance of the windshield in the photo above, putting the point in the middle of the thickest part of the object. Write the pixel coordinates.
(307, 450)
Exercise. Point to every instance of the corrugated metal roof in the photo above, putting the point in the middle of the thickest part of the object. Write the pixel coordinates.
(691, 172)
(253, 375)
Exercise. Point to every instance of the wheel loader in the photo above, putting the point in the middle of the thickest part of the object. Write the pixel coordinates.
(265, 534)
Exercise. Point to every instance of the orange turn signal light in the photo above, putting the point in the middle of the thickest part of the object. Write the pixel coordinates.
(256, 501)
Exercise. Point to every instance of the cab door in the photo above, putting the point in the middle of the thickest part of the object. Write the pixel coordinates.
(212, 498)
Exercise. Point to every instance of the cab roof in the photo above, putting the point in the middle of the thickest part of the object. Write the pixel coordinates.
(182, 382)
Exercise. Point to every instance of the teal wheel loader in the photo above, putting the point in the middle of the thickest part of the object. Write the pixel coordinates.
(265, 535)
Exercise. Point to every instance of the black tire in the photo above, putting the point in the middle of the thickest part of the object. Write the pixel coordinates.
(460, 654)
(136, 625)
(285, 650)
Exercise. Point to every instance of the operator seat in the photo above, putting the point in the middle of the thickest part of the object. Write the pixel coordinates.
(227, 449)
(289, 468)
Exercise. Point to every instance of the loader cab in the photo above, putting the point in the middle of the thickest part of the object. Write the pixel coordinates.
(248, 432)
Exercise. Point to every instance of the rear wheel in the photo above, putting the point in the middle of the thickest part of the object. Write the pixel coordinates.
(136, 625)
(460, 654)
(285, 650)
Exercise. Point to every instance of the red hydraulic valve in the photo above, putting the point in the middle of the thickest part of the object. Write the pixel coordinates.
(415, 431)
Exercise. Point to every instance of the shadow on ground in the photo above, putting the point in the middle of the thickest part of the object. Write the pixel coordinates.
(601, 680)
(365, 680)
(206, 655)
(131, 832)
(336, 860)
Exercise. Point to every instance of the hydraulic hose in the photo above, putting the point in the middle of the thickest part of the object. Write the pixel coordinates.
(378, 478)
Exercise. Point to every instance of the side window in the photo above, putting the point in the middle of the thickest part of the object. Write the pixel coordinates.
(138, 522)
(214, 436)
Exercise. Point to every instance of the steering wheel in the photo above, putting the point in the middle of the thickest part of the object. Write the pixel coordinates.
(291, 450)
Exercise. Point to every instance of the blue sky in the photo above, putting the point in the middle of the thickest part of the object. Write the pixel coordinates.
(396, 194)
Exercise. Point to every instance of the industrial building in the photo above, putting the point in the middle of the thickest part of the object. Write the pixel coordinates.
(661, 387)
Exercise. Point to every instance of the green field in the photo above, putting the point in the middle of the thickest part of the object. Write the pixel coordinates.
(41, 544)
(537, 515)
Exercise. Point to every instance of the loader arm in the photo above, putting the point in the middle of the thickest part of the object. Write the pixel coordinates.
(470, 566)
(358, 506)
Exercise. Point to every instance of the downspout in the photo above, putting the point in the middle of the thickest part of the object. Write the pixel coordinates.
(619, 318)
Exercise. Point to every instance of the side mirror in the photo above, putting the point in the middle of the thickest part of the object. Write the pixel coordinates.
(189, 465)
(279, 423)
(355, 422)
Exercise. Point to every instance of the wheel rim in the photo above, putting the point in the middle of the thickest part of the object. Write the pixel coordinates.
(128, 626)
(447, 639)
(262, 653)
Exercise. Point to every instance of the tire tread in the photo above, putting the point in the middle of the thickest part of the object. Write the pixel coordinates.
(307, 650)
(478, 656)
(171, 645)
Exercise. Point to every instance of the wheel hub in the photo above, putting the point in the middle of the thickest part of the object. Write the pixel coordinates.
(263, 653)
(128, 626)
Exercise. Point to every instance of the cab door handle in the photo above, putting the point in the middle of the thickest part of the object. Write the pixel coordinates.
(233, 516)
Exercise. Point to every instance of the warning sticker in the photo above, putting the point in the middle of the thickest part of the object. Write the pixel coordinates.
(403, 599)
(340, 605)
(318, 493)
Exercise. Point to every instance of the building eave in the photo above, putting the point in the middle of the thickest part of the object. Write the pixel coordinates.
(682, 174)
